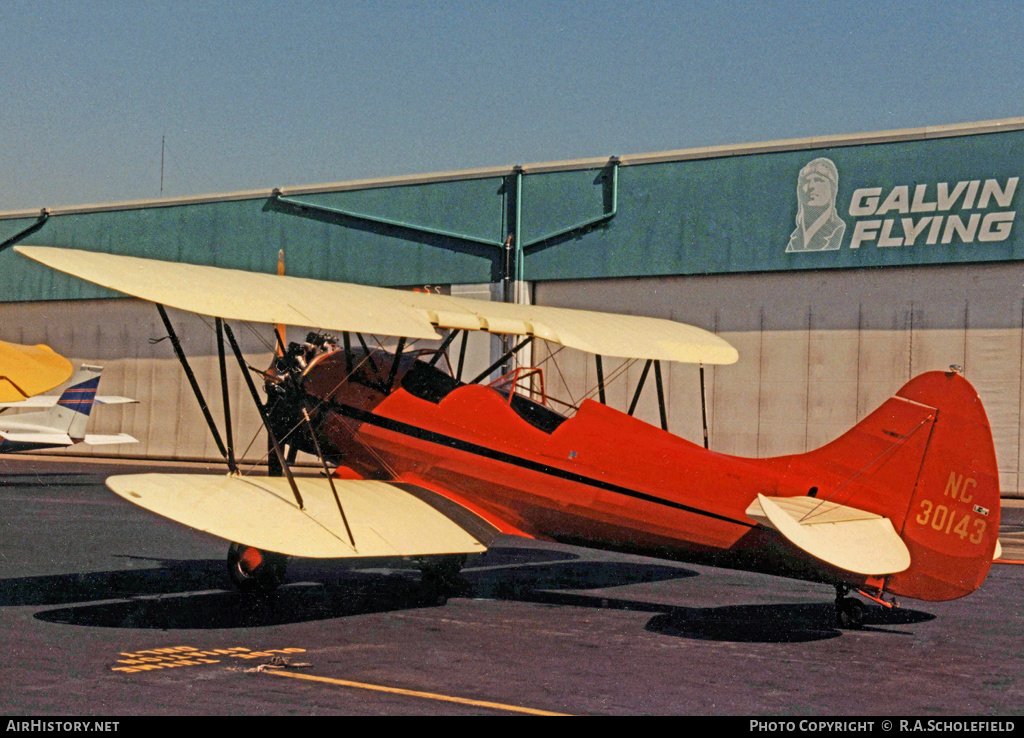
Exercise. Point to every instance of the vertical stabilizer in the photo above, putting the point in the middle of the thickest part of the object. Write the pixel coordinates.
(926, 461)
(71, 412)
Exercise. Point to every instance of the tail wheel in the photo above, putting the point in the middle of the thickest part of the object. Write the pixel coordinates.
(252, 570)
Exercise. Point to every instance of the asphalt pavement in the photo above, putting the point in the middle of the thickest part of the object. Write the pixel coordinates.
(108, 610)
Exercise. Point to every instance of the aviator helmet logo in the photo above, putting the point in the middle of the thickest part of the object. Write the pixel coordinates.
(818, 225)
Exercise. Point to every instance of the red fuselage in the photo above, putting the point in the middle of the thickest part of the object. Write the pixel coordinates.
(600, 478)
(604, 479)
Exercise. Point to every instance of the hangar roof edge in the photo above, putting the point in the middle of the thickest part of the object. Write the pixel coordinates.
(705, 152)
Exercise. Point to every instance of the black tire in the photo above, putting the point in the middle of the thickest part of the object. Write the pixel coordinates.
(850, 613)
(440, 577)
(264, 574)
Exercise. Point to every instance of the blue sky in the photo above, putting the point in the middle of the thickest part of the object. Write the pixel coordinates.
(261, 94)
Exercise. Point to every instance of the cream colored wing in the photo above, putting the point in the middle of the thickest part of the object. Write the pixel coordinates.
(338, 306)
(606, 334)
(238, 295)
(385, 519)
(851, 539)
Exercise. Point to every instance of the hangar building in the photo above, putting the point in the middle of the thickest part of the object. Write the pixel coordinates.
(839, 267)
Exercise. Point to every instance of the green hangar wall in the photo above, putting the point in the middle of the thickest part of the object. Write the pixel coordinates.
(839, 267)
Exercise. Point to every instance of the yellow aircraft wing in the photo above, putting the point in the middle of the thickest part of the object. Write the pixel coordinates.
(29, 370)
(338, 306)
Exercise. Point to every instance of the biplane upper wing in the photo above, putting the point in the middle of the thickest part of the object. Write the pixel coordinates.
(338, 306)
(29, 370)
(386, 519)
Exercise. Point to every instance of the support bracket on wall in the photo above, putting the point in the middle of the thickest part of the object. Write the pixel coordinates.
(40, 222)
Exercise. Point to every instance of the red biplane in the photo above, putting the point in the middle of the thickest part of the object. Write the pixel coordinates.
(427, 463)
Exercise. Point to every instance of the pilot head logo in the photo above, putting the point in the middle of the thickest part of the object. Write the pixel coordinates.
(818, 225)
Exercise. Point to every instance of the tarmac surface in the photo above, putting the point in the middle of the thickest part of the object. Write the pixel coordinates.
(109, 610)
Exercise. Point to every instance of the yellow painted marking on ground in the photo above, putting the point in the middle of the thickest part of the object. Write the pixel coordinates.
(174, 656)
(413, 693)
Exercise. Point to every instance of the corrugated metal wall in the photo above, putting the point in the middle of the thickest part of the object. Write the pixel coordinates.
(819, 351)
(117, 334)
(698, 212)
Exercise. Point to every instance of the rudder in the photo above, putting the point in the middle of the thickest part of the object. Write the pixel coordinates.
(926, 461)
(952, 525)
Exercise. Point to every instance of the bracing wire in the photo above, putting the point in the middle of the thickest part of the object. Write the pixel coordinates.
(898, 442)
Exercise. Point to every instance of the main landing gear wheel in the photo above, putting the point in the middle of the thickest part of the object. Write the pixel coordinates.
(850, 612)
(253, 571)
(440, 577)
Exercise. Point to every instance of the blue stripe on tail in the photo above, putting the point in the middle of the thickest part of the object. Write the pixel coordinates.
(80, 397)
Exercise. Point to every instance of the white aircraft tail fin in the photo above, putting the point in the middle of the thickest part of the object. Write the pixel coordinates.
(71, 411)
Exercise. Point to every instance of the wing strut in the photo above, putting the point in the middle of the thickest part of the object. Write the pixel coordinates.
(330, 477)
(232, 465)
(639, 387)
(263, 416)
(347, 343)
(661, 395)
(394, 365)
(703, 406)
(444, 347)
(660, 387)
(600, 379)
(192, 380)
(502, 360)
(369, 354)
(462, 355)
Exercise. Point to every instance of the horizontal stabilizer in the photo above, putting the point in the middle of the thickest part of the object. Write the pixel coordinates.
(51, 400)
(94, 440)
(48, 439)
(385, 519)
(845, 537)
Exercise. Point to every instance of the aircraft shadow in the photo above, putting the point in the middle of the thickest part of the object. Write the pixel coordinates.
(48, 479)
(169, 577)
(178, 595)
(171, 596)
(781, 623)
(775, 623)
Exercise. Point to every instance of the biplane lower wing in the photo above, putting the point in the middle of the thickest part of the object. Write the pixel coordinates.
(386, 519)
